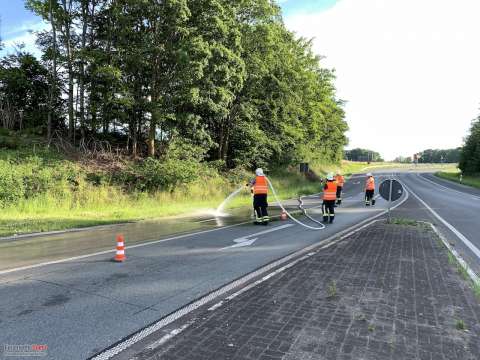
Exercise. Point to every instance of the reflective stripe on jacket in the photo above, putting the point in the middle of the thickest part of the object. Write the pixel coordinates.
(330, 191)
(260, 186)
(370, 185)
(340, 180)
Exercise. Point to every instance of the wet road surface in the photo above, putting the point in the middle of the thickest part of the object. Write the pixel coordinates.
(81, 306)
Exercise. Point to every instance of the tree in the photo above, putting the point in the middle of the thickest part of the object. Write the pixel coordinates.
(470, 155)
(225, 78)
(24, 86)
(362, 155)
(440, 156)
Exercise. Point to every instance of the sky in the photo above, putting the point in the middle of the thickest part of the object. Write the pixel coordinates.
(409, 70)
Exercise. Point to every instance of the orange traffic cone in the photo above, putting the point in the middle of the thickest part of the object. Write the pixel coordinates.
(120, 255)
(283, 215)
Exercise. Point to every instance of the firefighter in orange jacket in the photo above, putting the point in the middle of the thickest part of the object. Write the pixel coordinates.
(369, 190)
(340, 183)
(259, 187)
(329, 198)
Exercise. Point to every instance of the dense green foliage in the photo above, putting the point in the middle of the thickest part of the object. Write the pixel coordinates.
(227, 78)
(42, 190)
(470, 156)
(437, 156)
(362, 155)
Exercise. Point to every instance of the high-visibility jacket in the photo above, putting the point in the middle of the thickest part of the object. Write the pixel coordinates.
(340, 180)
(370, 185)
(260, 186)
(330, 191)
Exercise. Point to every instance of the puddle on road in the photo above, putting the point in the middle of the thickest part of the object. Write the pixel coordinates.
(44, 248)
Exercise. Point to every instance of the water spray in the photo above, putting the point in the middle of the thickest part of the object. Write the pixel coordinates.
(220, 209)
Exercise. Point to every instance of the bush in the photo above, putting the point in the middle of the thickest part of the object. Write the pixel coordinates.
(9, 141)
(153, 174)
(11, 185)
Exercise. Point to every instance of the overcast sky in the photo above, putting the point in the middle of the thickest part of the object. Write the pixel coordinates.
(408, 69)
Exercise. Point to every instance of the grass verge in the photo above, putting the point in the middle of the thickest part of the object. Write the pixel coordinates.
(60, 194)
(93, 205)
(45, 191)
(462, 271)
(454, 176)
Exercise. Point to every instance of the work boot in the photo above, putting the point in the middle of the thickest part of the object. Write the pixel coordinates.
(325, 219)
(373, 202)
(266, 220)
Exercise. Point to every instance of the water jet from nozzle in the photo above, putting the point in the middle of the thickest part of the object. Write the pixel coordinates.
(220, 211)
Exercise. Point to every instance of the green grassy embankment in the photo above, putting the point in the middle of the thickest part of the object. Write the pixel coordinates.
(453, 174)
(42, 190)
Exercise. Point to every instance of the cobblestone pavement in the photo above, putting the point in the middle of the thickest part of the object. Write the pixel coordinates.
(388, 292)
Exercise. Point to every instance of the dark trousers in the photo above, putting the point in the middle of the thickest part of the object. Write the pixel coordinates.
(328, 208)
(260, 204)
(369, 197)
(339, 194)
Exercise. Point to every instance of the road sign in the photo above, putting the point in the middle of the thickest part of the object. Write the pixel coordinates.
(391, 190)
(396, 189)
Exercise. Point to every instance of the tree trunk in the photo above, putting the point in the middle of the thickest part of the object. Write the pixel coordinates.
(68, 46)
(151, 137)
(82, 67)
(53, 91)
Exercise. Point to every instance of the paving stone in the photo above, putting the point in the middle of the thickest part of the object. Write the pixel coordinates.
(387, 292)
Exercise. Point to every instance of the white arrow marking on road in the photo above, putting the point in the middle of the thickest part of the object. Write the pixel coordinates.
(242, 242)
(246, 241)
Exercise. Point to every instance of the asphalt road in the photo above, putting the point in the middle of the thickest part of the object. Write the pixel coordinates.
(453, 208)
(81, 306)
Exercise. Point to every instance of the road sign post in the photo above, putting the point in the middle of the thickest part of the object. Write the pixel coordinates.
(390, 201)
(391, 190)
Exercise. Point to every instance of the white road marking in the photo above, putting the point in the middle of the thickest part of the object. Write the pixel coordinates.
(28, 267)
(74, 258)
(168, 336)
(447, 188)
(207, 220)
(462, 237)
(246, 241)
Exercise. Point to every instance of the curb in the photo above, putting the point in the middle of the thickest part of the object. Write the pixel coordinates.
(473, 275)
